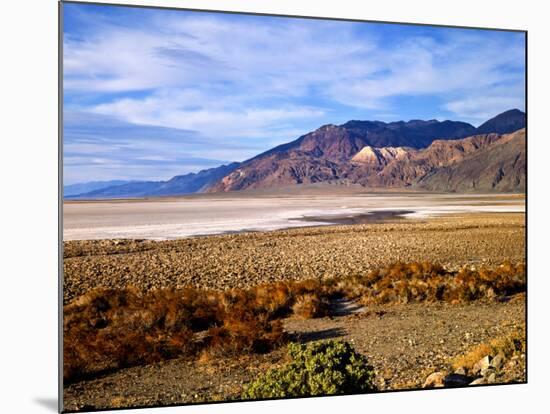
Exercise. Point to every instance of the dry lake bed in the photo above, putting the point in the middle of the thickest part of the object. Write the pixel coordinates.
(173, 218)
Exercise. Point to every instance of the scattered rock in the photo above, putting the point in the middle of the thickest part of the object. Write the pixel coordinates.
(487, 371)
(492, 378)
(478, 381)
(246, 259)
(497, 361)
(434, 380)
(460, 371)
(483, 363)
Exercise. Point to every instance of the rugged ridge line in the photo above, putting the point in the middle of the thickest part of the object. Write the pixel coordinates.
(352, 153)
(432, 155)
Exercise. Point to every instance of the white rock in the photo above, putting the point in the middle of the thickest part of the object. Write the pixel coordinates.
(434, 380)
(483, 363)
(478, 381)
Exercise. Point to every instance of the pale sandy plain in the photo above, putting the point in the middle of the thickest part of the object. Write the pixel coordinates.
(173, 218)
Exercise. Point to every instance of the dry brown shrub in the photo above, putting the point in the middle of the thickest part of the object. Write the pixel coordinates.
(107, 329)
(249, 335)
(509, 344)
(468, 360)
(309, 306)
(427, 282)
(272, 299)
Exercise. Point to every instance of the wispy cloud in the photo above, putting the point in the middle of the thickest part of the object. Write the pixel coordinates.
(245, 83)
(104, 147)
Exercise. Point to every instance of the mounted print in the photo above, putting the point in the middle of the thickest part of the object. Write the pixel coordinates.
(261, 207)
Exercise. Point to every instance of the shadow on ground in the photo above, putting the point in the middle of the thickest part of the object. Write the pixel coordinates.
(345, 307)
(305, 337)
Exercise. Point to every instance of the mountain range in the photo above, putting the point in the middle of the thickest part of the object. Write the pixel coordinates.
(83, 188)
(180, 184)
(430, 155)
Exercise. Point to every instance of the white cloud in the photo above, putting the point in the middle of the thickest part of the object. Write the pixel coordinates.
(287, 58)
(238, 86)
(214, 116)
(466, 66)
(481, 108)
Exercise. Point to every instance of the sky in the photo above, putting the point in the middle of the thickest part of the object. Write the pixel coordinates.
(151, 93)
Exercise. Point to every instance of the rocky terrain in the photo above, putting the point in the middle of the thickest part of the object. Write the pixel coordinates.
(406, 344)
(412, 166)
(500, 167)
(246, 259)
(410, 345)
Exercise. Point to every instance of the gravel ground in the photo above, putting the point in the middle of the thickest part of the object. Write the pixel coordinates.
(246, 259)
(404, 343)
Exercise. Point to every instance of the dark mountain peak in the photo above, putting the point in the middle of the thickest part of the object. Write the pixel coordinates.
(363, 124)
(512, 112)
(415, 133)
(412, 122)
(327, 127)
(504, 123)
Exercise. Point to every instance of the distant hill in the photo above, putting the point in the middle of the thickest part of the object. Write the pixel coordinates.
(75, 189)
(178, 185)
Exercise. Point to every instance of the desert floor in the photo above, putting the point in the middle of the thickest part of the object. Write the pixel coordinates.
(404, 342)
(246, 259)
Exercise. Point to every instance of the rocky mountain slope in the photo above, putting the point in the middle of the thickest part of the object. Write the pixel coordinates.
(504, 123)
(416, 164)
(499, 167)
(324, 154)
(351, 153)
(434, 155)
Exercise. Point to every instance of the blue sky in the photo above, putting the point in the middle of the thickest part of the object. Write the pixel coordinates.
(149, 94)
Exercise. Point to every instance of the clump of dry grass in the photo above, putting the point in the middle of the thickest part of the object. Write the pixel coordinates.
(309, 306)
(507, 345)
(107, 329)
(427, 282)
(253, 335)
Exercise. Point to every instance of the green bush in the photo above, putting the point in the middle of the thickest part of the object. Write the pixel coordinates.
(319, 368)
